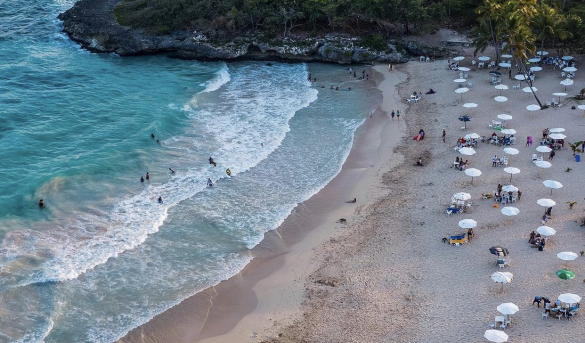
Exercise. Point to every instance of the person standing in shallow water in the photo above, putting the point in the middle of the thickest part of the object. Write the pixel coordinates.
(41, 203)
(147, 176)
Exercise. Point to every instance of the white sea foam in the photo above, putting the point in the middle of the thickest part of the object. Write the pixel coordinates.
(223, 77)
(252, 111)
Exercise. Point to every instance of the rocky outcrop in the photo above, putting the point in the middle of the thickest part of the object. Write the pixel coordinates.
(91, 23)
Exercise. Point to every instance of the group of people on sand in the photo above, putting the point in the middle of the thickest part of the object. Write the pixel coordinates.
(536, 241)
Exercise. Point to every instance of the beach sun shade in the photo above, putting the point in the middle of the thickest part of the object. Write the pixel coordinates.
(557, 136)
(569, 298)
(556, 129)
(510, 211)
(458, 58)
(483, 58)
(463, 69)
(496, 336)
(543, 149)
(542, 53)
(546, 230)
(567, 255)
(534, 60)
(462, 196)
(461, 91)
(552, 184)
(467, 223)
(520, 77)
(507, 308)
(511, 151)
(567, 58)
(499, 251)
(535, 68)
(467, 151)
(504, 116)
(472, 136)
(500, 98)
(505, 64)
(465, 119)
(511, 171)
(510, 188)
(565, 274)
(473, 173)
(546, 202)
(459, 80)
(495, 73)
(501, 87)
(502, 277)
(506, 56)
(529, 89)
(570, 69)
(581, 107)
(469, 105)
(566, 82)
(533, 107)
(508, 131)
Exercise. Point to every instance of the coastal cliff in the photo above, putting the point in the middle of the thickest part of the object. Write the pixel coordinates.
(91, 23)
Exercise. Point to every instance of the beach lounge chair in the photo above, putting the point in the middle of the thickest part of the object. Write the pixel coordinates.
(458, 239)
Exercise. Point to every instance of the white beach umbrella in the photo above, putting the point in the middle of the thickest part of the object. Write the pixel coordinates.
(503, 278)
(463, 69)
(559, 94)
(507, 308)
(533, 107)
(529, 89)
(458, 58)
(472, 136)
(505, 116)
(467, 151)
(462, 196)
(546, 230)
(567, 256)
(556, 129)
(552, 184)
(520, 77)
(535, 68)
(542, 53)
(473, 173)
(505, 64)
(510, 188)
(469, 105)
(496, 336)
(534, 60)
(546, 202)
(511, 171)
(543, 149)
(467, 223)
(506, 56)
(501, 87)
(566, 82)
(570, 69)
(567, 58)
(510, 211)
(511, 151)
(460, 80)
(483, 58)
(461, 91)
(569, 298)
(508, 131)
(581, 107)
(543, 164)
(500, 98)
(557, 136)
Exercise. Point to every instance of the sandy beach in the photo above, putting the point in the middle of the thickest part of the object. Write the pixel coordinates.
(386, 275)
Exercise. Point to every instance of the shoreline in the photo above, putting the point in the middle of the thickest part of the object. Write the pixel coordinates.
(256, 300)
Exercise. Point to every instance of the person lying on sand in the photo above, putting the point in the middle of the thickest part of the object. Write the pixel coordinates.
(353, 201)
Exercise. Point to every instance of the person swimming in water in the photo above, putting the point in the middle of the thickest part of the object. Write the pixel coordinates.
(141, 178)
(160, 200)
(41, 203)
(211, 161)
(228, 172)
(209, 183)
(152, 135)
(172, 170)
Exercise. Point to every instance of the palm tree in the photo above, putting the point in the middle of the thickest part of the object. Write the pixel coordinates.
(490, 17)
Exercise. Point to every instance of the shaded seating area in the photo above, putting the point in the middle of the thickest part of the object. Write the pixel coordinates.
(458, 239)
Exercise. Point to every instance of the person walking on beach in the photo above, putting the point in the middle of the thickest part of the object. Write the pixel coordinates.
(398, 115)
(444, 134)
(510, 74)
(392, 114)
(389, 66)
(551, 155)
(495, 161)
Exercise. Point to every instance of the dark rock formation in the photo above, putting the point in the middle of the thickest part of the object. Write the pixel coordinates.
(92, 24)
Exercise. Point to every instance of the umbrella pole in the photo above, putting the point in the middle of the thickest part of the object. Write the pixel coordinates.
(511, 177)
(551, 191)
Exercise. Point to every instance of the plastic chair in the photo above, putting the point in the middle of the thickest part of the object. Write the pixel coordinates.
(544, 315)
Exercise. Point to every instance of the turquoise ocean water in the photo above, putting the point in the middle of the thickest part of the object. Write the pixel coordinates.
(103, 256)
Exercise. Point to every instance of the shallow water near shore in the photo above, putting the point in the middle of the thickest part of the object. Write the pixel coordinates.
(103, 256)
